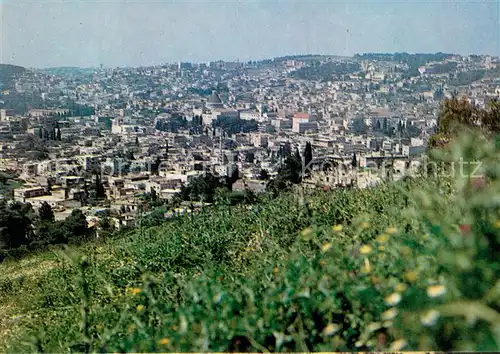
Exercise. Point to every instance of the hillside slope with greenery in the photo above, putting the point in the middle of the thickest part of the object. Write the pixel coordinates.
(405, 265)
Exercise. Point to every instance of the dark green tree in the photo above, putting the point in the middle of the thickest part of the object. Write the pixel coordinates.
(45, 213)
(354, 161)
(308, 155)
(76, 225)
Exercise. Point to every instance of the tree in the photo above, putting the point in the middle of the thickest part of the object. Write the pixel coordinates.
(45, 213)
(76, 225)
(263, 175)
(458, 115)
(40, 133)
(58, 134)
(136, 141)
(16, 224)
(354, 161)
(359, 126)
(99, 187)
(130, 155)
(308, 156)
(249, 157)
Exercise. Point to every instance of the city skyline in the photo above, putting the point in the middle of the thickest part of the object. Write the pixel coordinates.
(124, 33)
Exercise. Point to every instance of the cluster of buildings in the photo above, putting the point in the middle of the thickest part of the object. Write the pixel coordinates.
(363, 127)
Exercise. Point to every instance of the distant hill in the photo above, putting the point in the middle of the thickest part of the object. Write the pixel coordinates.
(8, 73)
(68, 70)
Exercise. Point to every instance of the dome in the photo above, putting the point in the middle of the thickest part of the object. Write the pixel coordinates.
(214, 101)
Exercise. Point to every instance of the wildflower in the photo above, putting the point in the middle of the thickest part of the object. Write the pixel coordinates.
(411, 276)
(140, 308)
(398, 344)
(393, 299)
(429, 318)
(401, 287)
(131, 328)
(383, 238)
(497, 224)
(306, 233)
(405, 251)
(330, 329)
(365, 249)
(276, 270)
(391, 230)
(366, 268)
(436, 290)
(372, 327)
(465, 229)
(387, 324)
(364, 225)
(326, 247)
(381, 248)
(135, 291)
(337, 228)
(164, 341)
(389, 314)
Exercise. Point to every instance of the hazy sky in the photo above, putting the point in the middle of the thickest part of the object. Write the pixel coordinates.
(144, 32)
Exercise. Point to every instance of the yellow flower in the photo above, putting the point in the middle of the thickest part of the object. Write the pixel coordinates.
(326, 247)
(164, 341)
(330, 329)
(393, 299)
(387, 324)
(276, 270)
(306, 233)
(398, 344)
(391, 230)
(140, 308)
(389, 314)
(359, 343)
(436, 290)
(364, 225)
(381, 248)
(401, 287)
(405, 251)
(337, 228)
(429, 318)
(497, 224)
(372, 327)
(365, 249)
(383, 238)
(411, 276)
(366, 268)
(135, 291)
(131, 328)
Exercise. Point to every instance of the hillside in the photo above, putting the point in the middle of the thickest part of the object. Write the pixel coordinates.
(8, 73)
(399, 266)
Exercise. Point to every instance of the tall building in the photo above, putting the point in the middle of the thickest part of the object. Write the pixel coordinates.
(303, 122)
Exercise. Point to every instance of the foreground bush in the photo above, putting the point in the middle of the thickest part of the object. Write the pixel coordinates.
(407, 265)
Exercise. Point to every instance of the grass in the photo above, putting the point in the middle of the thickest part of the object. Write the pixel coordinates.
(387, 268)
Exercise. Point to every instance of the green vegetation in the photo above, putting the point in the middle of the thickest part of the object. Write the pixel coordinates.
(235, 125)
(407, 265)
(325, 71)
(459, 115)
(414, 61)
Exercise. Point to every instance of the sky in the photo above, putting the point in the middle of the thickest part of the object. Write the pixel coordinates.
(122, 33)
